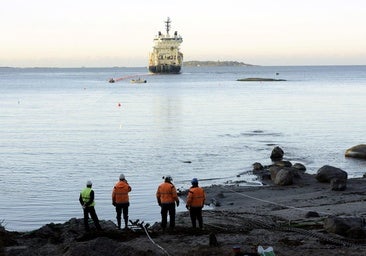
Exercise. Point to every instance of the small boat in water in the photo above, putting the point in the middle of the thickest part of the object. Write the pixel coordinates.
(138, 81)
(111, 80)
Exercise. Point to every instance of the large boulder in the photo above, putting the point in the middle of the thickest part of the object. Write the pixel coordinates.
(284, 177)
(273, 170)
(327, 173)
(277, 154)
(358, 151)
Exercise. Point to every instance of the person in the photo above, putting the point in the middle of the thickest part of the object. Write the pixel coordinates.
(86, 200)
(167, 197)
(195, 201)
(120, 199)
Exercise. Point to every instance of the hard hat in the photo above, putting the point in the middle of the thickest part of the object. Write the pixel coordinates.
(121, 176)
(168, 178)
(89, 183)
(194, 181)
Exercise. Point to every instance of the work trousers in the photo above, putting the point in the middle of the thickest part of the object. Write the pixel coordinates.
(90, 210)
(165, 208)
(122, 207)
(196, 214)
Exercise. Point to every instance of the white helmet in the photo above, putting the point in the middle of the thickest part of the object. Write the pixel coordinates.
(121, 176)
(89, 183)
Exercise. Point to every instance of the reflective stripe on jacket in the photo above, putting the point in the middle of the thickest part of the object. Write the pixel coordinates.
(120, 192)
(85, 195)
(196, 197)
(166, 193)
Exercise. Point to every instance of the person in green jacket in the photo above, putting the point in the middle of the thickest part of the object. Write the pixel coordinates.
(86, 200)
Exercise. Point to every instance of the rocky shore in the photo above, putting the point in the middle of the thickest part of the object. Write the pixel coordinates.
(299, 214)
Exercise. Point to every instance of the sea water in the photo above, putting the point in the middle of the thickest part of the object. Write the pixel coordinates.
(60, 127)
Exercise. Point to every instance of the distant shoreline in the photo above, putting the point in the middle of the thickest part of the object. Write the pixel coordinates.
(196, 63)
(185, 64)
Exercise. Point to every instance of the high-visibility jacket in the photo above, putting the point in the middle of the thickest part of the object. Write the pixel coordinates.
(166, 193)
(120, 192)
(196, 197)
(85, 196)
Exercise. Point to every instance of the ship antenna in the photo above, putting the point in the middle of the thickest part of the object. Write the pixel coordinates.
(167, 25)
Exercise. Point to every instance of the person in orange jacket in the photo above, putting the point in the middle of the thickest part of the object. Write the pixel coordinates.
(167, 197)
(121, 200)
(195, 201)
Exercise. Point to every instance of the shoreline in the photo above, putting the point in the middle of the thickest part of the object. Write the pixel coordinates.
(268, 215)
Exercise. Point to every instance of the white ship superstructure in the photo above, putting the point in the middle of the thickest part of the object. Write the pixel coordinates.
(166, 57)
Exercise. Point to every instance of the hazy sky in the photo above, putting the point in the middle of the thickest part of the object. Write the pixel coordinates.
(104, 33)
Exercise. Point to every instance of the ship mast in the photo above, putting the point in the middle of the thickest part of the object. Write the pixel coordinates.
(167, 25)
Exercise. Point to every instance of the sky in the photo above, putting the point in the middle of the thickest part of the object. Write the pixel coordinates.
(95, 33)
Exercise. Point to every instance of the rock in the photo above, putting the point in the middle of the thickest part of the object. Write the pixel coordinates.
(358, 151)
(277, 153)
(341, 225)
(284, 177)
(338, 184)
(327, 173)
(299, 167)
(312, 214)
(273, 170)
(257, 167)
(283, 163)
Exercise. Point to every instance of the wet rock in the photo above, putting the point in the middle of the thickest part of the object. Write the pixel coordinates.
(273, 170)
(284, 177)
(327, 173)
(358, 151)
(283, 163)
(277, 154)
(299, 167)
(257, 167)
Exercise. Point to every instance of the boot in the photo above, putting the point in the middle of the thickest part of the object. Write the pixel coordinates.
(119, 223)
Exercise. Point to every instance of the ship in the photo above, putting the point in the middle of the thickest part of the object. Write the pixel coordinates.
(165, 57)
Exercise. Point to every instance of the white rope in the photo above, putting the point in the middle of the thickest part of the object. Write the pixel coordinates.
(161, 248)
(266, 201)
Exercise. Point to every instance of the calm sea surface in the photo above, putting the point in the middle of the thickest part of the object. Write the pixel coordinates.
(61, 127)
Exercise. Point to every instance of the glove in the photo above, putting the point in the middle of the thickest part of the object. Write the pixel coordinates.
(177, 203)
(114, 203)
(187, 207)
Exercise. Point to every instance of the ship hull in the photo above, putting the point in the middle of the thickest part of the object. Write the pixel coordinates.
(165, 69)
